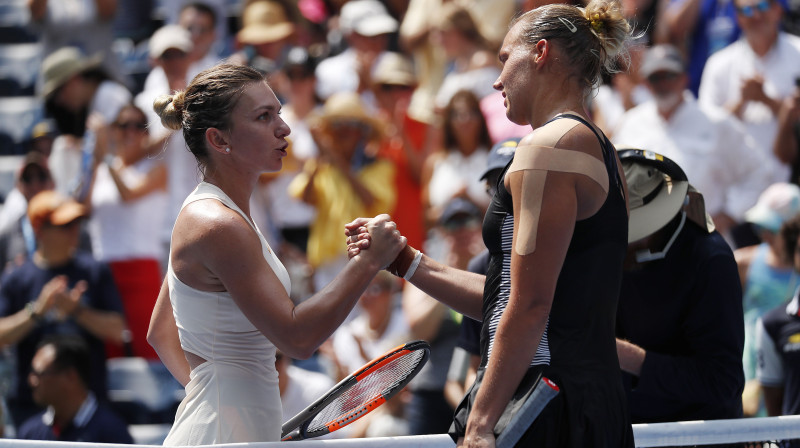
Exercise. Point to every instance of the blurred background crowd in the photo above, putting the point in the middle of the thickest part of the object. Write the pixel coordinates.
(392, 110)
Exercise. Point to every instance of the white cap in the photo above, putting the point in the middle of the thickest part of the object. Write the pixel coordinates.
(170, 36)
(367, 18)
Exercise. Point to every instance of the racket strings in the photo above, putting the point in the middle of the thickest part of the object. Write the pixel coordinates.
(379, 383)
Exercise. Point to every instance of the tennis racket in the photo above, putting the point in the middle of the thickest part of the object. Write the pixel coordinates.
(359, 394)
(544, 391)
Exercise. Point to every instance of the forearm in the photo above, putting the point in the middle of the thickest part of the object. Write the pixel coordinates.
(515, 344)
(785, 147)
(681, 19)
(631, 357)
(773, 400)
(460, 290)
(105, 325)
(38, 9)
(316, 318)
(16, 326)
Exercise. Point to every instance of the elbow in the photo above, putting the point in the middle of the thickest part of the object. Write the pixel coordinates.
(300, 348)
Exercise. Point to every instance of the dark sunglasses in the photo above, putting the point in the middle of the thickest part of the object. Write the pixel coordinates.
(750, 10)
(34, 175)
(662, 76)
(132, 125)
(395, 87)
(172, 54)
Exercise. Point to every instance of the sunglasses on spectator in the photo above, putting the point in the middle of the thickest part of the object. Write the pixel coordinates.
(662, 76)
(750, 10)
(172, 54)
(131, 125)
(199, 29)
(394, 87)
(29, 176)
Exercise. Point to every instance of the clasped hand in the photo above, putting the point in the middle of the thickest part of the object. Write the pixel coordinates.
(379, 235)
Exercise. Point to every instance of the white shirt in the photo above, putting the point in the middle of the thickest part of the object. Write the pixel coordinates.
(479, 81)
(728, 68)
(456, 171)
(347, 337)
(720, 159)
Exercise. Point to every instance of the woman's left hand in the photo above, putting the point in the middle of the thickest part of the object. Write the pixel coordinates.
(476, 439)
(358, 238)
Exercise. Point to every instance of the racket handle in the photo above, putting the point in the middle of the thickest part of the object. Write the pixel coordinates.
(293, 436)
(544, 391)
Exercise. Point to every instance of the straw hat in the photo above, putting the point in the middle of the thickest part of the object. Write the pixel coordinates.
(61, 65)
(394, 69)
(263, 22)
(347, 106)
(54, 208)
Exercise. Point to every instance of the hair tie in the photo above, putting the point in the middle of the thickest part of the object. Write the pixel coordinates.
(568, 24)
(597, 23)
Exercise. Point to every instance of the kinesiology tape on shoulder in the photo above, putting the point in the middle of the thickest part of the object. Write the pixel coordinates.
(533, 162)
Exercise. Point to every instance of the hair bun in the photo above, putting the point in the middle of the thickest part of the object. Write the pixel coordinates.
(608, 23)
(170, 109)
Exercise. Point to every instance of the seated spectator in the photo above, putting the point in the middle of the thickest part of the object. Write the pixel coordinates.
(59, 377)
(679, 319)
(379, 327)
(267, 32)
(767, 274)
(58, 291)
(777, 341)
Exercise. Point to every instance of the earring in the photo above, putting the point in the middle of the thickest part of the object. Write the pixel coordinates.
(227, 150)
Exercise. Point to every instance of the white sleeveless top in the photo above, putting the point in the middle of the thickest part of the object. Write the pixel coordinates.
(234, 396)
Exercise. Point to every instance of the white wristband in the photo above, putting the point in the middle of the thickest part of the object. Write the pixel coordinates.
(413, 267)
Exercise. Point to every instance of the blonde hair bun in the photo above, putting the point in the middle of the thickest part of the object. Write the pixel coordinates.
(609, 25)
(170, 109)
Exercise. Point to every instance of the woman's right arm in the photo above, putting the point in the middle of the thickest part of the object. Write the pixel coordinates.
(232, 255)
(163, 337)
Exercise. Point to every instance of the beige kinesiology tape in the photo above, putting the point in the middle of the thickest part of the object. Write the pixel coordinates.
(534, 162)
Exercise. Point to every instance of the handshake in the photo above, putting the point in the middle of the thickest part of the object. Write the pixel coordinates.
(379, 238)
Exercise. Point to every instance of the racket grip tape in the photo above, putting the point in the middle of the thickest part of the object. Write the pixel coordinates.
(544, 391)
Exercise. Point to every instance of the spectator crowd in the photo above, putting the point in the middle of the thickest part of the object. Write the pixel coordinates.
(392, 110)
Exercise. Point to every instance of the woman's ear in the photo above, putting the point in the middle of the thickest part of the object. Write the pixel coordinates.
(217, 140)
(541, 51)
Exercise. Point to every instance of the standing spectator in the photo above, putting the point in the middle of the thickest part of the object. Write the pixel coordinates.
(408, 142)
(85, 24)
(701, 28)
(128, 203)
(200, 20)
(346, 180)
(454, 169)
(767, 274)
(366, 26)
(59, 291)
(474, 65)
(60, 377)
(787, 143)
(267, 34)
(721, 160)
(679, 319)
(752, 76)
(75, 88)
(169, 50)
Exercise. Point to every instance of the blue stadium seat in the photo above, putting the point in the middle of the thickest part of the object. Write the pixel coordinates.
(19, 68)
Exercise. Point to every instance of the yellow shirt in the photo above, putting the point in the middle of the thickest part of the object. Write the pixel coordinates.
(337, 204)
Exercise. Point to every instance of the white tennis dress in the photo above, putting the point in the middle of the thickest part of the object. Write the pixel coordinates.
(234, 396)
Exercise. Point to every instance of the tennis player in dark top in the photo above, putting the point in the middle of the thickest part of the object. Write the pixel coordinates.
(557, 233)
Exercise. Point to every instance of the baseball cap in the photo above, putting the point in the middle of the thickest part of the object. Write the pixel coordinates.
(501, 153)
(458, 208)
(367, 18)
(54, 208)
(777, 204)
(169, 36)
(662, 58)
(263, 22)
(657, 189)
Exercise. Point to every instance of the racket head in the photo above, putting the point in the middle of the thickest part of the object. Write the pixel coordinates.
(359, 393)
